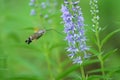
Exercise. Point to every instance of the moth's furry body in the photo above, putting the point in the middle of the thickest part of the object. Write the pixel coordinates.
(36, 35)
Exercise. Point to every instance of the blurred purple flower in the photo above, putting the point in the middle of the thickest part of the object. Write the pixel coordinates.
(32, 12)
(32, 2)
(43, 5)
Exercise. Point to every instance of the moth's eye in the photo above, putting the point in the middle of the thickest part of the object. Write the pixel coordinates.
(26, 41)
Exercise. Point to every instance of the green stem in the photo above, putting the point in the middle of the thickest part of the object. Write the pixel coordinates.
(82, 72)
(98, 41)
(49, 68)
(48, 62)
(100, 51)
(102, 66)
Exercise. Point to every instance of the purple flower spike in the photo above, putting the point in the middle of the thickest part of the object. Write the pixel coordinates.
(74, 29)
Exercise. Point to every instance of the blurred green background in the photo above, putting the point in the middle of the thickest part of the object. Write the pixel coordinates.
(46, 58)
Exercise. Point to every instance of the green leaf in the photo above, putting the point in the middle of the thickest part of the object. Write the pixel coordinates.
(97, 77)
(14, 36)
(24, 77)
(74, 67)
(90, 61)
(94, 71)
(110, 72)
(114, 70)
(99, 70)
(68, 71)
(33, 69)
(109, 54)
(108, 36)
(29, 28)
(93, 51)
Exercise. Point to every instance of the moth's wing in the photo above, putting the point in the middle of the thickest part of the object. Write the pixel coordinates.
(34, 36)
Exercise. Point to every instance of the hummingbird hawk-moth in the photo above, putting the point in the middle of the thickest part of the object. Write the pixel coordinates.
(36, 35)
(39, 34)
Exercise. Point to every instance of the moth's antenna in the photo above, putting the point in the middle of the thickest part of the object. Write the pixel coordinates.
(54, 30)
